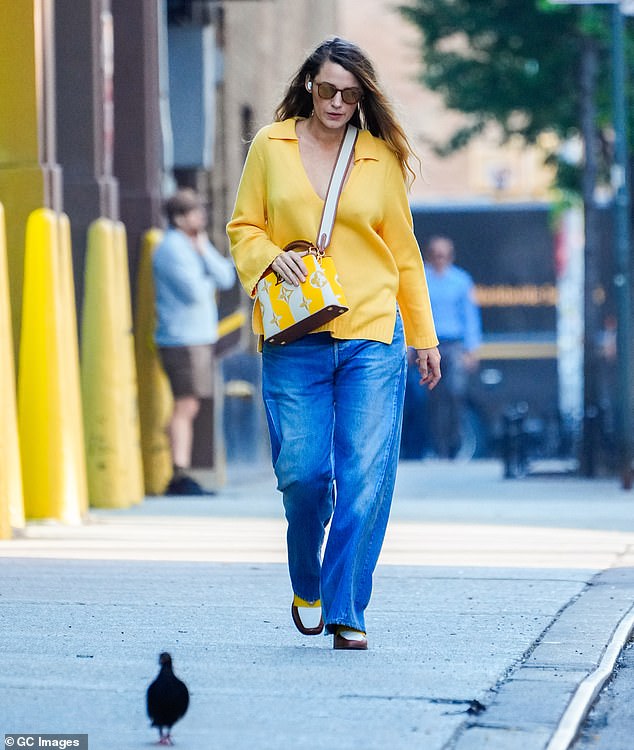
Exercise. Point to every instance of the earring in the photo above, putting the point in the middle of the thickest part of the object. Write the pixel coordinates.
(309, 86)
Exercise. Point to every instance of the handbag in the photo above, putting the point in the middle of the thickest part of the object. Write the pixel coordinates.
(288, 311)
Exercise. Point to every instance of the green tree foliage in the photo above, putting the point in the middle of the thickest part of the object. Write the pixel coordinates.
(512, 62)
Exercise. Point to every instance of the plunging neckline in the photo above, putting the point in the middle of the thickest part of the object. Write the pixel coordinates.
(305, 171)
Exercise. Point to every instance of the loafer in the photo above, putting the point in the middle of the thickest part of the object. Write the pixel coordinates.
(304, 629)
(349, 644)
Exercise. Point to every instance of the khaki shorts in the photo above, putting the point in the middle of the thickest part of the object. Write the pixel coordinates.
(189, 369)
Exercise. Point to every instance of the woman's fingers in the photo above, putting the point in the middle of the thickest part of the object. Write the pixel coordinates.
(429, 366)
(290, 266)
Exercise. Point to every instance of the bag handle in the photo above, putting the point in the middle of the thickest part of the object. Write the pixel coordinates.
(335, 187)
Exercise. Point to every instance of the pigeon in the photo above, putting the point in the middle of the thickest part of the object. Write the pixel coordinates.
(167, 700)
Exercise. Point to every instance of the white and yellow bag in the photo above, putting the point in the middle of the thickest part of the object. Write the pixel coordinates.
(290, 312)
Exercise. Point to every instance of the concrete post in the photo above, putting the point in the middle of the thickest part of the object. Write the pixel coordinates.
(85, 118)
(138, 145)
(29, 175)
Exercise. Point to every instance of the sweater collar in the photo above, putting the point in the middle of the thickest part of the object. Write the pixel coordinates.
(365, 147)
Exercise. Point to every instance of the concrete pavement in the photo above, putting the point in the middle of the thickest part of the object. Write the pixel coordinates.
(494, 599)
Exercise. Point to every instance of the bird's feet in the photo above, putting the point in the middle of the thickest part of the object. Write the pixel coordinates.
(166, 740)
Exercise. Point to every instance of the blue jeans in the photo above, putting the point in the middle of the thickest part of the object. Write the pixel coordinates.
(334, 409)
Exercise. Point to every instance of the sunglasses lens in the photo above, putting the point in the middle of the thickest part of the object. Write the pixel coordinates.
(350, 96)
(326, 90)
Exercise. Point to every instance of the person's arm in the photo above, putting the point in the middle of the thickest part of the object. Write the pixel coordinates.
(397, 232)
(252, 250)
(221, 269)
(473, 326)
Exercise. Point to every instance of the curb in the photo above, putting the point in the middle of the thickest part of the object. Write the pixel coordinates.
(544, 700)
(589, 689)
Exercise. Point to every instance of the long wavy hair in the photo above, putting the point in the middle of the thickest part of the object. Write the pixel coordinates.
(374, 111)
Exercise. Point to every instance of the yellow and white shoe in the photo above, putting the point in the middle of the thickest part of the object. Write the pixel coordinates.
(307, 616)
(350, 639)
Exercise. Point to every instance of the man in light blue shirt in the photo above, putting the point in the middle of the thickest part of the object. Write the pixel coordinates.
(459, 329)
(187, 271)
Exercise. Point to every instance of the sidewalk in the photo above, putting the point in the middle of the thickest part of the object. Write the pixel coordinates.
(493, 600)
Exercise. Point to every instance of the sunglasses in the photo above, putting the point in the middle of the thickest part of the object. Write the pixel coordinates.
(328, 91)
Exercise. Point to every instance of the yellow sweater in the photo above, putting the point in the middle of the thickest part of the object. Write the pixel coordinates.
(373, 244)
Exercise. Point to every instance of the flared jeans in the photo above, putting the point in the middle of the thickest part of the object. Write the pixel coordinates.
(334, 409)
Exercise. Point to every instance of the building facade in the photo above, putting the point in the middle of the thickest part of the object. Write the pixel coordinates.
(261, 57)
(484, 170)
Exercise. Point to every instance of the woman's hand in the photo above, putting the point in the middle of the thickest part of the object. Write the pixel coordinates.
(428, 361)
(290, 267)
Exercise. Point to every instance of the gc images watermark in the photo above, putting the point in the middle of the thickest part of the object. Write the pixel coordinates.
(58, 741)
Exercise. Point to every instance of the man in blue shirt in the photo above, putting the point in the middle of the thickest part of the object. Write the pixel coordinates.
(187, 270)
(458, 325)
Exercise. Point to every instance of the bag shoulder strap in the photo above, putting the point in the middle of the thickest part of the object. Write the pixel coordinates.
(336, 186)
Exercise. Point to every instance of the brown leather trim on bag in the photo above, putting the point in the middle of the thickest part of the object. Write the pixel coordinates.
(301, 328)
(302, 246)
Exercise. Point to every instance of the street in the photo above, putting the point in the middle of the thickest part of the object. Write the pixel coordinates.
(493, 600)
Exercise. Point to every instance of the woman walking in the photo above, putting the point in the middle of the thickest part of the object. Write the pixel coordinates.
(334, 398)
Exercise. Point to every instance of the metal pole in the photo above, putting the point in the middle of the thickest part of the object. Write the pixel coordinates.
(622, 278)
(591, 457)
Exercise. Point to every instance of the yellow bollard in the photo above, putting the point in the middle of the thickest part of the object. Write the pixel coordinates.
(71, 356)
(155, 396)
(111, 450)
(130, 417)
(11, 502)
(51, 468)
